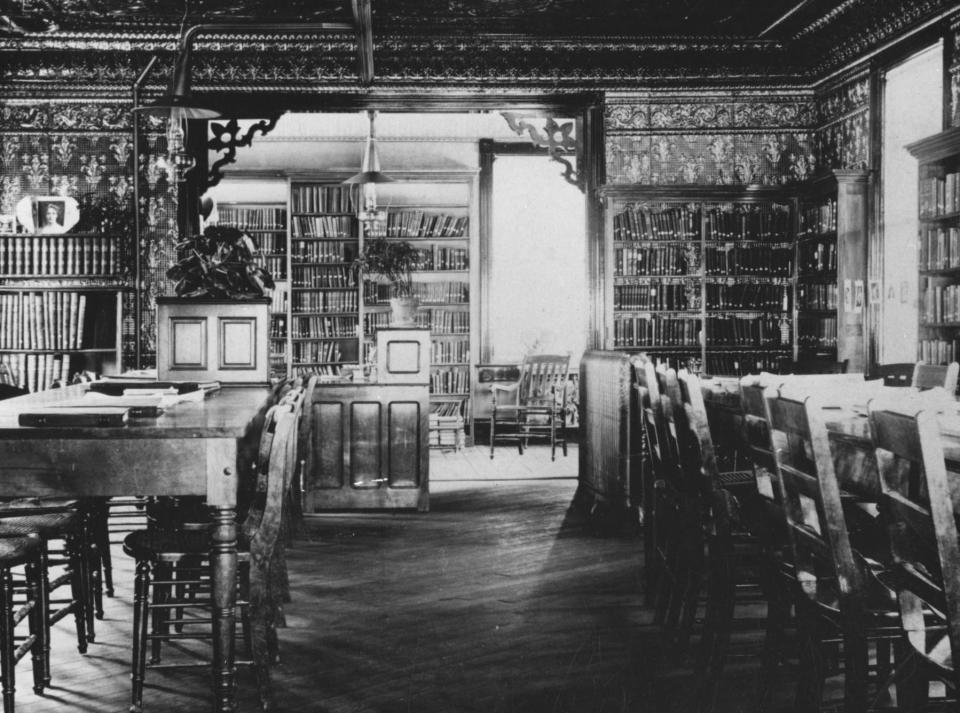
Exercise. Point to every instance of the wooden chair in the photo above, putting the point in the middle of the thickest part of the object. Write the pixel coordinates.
(920, 510)
(160, 551)
(533, 406)
(25, 552)
(836, 595)
(928, 376)
(899, 374)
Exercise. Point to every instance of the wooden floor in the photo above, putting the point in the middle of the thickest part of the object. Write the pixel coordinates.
(502, 599)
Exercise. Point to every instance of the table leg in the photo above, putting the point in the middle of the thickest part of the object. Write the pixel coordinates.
(223, 576)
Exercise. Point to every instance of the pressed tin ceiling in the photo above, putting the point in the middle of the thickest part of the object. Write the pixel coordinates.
(755, 19)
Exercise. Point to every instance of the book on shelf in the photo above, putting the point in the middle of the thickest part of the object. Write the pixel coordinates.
(818, 219)
(252, 217)
(323, 226)
(101, 416)
(59, 256)
(425, 224)
(320, 198)
(42, 320)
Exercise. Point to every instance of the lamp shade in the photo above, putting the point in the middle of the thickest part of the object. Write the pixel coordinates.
(370, 166)
(179, 98)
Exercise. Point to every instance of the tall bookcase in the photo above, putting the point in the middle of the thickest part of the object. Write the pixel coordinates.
(832, 269)
(702, 277)
(325, 300)
(266, 223)
(939, 246)
(434, 211)
(60, 306)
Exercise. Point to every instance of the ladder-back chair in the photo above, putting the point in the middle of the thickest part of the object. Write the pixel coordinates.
(836, 593)
(920, 512)
(534, 405)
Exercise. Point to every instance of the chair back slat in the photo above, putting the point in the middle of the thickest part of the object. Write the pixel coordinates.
(920, 513)
(811, 497)
(544, 377)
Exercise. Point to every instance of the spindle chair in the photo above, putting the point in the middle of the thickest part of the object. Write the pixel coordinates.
(17, 552)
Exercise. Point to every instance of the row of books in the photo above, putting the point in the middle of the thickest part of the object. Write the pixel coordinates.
(437, 257)
(449, 351)
(323, 251)
(677, 259)
(746, 362)
(939, 248)
(748, 295)
(43, 255)
(311, 276)
(315, 198)
(649, 330)
(42, 320)
(818, 219)
(657, 296)
(317, 326)
(817, 333)
(449, 380)
(310, 352)
(940, 303)
(276, 265)
(317, 369)
(270, 243)
(279, 298)
(326, 301)
(816, 256)
(761, 260)
(657, 222)
(278, 327)
(768, 222)
(939, 195)
(938, 351)
(37, 372)
(445, 435)
(444, 321)
(252, 218)
(760, 330)
(447, 291)
(821, 295)
(423, 224)
(324, 226)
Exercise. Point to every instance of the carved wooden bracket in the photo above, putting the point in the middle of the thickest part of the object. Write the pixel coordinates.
(558, 139)
(226, 138)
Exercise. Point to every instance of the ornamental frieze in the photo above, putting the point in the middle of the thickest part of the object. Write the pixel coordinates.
(626, 116)
(765, 113)
(686, 115)
(843, 99)
(703, 159)
(845, 144)
(65, 117)
(24, 118)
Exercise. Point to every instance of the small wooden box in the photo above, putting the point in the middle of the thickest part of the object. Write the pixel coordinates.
(213, 340)
(403, 356)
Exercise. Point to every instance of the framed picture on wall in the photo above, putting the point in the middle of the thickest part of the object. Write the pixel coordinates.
(49, 215)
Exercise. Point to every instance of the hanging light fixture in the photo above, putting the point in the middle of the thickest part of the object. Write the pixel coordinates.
(374, 219)
(179, 106)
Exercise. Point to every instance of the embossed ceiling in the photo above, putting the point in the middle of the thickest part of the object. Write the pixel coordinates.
(767, 19)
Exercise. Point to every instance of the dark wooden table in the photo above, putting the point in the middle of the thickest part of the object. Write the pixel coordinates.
(193, 448)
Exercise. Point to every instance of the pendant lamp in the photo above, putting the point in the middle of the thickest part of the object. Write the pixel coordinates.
(374, 220)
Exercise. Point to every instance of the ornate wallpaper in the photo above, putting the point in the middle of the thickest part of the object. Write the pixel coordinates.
(713, 140)
(843, 121)
(85, 151)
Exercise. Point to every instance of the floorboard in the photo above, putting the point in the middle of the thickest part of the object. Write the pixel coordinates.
(501, 599)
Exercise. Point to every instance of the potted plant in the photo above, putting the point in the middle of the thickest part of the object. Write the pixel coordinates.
(394, 261)
(217, 325)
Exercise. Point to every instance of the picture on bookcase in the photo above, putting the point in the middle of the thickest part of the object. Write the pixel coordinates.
(48, 215)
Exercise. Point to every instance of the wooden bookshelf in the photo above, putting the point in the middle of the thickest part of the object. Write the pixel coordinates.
(832, 269)
(701, 277)
(324, 299)
(939, 246)
(435, 212)
(60, 306)
(266, 224)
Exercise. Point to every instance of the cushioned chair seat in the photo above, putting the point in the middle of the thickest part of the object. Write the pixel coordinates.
(152, 544)
(17, 550)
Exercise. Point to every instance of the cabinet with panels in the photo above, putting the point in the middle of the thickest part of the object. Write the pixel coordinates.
(324, 298)
(266, 224)
(60, 306)
(433, 212)
(701, 278)
(939, 246)
(831, 269)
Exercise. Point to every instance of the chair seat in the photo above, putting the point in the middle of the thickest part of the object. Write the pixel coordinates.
(36, 506)
(49, 525)
(161, 544)
(17, 550)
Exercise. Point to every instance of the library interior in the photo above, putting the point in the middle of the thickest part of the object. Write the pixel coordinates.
(516, 355)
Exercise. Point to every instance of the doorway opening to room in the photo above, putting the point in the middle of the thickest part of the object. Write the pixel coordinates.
(493, 284)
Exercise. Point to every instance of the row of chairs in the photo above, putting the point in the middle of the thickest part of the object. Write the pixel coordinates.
(749, 492)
